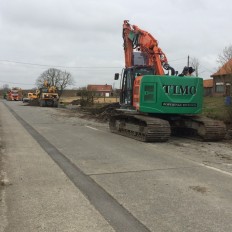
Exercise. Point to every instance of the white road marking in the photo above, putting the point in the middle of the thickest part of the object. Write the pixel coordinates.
(202, 165)
(217, 169)
(92, 128)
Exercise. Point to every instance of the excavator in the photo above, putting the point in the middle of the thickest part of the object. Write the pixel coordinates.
(153, 104)
(47, 95)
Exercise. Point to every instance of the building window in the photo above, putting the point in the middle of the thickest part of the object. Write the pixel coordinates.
(219, 88)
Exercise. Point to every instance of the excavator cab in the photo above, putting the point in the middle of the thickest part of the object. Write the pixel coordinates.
(128, 78)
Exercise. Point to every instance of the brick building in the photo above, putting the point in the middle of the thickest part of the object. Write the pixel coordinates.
(208, 87)
(222, 80)
(101, 90)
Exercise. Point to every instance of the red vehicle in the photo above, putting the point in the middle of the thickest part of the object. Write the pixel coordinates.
(15, 94)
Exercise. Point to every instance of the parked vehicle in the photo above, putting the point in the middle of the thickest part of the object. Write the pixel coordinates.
(155, 105)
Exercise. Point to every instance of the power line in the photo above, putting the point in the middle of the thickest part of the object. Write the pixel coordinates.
(15, 83)
(58, 66)
(177, 59)
(207, 69)
(75, 67)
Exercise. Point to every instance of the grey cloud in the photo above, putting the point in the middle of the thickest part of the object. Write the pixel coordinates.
(89, 34)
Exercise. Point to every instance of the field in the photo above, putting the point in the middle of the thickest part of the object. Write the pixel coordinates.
(100, 100)
(214, 107)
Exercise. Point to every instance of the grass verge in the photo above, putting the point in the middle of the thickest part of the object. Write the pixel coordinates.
(214, 107)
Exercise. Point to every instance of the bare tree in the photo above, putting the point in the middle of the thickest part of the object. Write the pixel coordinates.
(55, 77)
(225, 56)
(195, 64)
(5, 87)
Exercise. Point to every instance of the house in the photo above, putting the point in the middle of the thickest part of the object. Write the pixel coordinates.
(222, 80)
(208, 87)
(100, 90)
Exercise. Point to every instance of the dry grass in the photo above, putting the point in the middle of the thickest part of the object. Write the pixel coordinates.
(68, 99)
(106, 100)
(214, 107)
(99, 100)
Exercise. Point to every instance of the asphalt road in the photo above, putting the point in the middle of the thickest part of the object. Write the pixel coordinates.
(68, 174)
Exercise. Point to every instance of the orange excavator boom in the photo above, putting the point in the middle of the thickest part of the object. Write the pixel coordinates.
(135, 38)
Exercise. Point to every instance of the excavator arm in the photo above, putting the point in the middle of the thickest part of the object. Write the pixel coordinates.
(135, 38)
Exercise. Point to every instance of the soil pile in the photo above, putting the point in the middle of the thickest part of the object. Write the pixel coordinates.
(76, 102)
(100, 114)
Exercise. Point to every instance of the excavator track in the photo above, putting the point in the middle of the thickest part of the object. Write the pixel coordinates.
(199, 127)
(140, 127)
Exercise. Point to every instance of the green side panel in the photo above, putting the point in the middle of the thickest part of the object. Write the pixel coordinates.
(171, 94)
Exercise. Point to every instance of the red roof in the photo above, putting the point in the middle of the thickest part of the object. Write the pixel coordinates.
(224, 70)
(208, 83)
(100, 88)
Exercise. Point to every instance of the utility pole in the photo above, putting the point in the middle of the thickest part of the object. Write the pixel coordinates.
(188, 62)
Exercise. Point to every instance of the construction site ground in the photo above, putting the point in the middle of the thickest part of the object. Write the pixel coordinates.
(62, 170)
(217, 154)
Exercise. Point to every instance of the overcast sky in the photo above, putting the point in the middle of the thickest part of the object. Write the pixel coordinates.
(84, 37)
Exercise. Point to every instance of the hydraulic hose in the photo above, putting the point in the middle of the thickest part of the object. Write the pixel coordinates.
(166, 66)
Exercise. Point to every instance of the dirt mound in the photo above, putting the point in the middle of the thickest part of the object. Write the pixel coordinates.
(83, 102)
(76, 102)
(101, 114)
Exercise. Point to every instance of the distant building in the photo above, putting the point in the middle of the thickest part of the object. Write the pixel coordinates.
(222, 80)
(208, 87)
(69, 93)
(101, 90)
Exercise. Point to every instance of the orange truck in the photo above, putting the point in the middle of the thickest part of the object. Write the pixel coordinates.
(15, 94)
